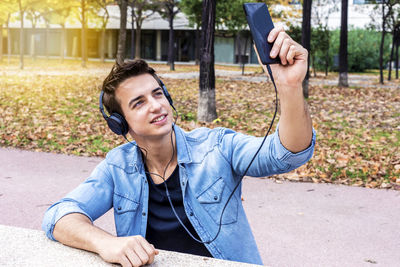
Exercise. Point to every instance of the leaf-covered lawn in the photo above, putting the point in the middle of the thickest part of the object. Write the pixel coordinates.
(53, 107)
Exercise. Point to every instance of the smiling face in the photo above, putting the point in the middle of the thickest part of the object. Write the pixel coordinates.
(145, 108)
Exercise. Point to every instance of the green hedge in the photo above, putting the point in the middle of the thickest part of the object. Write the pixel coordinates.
(363, 49)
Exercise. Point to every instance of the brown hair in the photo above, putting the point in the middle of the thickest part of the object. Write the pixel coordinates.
(118, 74)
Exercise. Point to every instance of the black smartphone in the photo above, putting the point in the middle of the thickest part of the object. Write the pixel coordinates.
(260, 24)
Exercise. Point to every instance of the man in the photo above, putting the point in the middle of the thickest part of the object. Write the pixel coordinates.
(195, 172)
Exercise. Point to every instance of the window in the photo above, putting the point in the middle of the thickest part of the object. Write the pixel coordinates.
(365, 2)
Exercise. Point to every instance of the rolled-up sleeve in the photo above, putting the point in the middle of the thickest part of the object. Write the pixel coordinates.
(273, 157)
(92, 198)
(294, 159)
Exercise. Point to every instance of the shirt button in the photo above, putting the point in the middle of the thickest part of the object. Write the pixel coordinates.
(119, 208)
(215, 198)
(183, 183)
(144, 213)
(145, 181)
(191, 213)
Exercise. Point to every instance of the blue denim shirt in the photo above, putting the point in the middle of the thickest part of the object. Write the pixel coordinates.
(211, 162)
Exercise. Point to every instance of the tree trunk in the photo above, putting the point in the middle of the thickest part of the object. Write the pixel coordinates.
(83, 33)
(33, 44)
(391, 57)
(1, 42)
(123, 7)
(327, 57)
(239, 48)
(133, 32)
(382, 44)
(46, 39)
(397, 54)
(326, 63)
(138, 39)
(21, 42)
(102, 44)
(343, 64)
(8, 44)
(197, 46)
(207, 107)
(313, 65)
(244, 53)
(62, 43)
(306, 40)
(171, 42)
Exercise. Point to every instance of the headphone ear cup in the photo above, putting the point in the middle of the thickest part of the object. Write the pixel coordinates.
(118, 124)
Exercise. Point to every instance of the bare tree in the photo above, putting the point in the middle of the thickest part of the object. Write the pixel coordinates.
(322, 9)
(34, 16)
(22, 10)
(8, 40)
(168, 10)
(343, 64)
(206, 108)
(123, 7)
(83, 33)
(141, 10)
(59, 13)
(387, 9)
(394, 22)
(5, 12)
(397, 43)
(193, 11)
(105, 16)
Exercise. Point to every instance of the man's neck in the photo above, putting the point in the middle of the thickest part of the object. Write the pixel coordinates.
(160, 156)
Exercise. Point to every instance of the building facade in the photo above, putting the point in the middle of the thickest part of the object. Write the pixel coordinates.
(154, 38)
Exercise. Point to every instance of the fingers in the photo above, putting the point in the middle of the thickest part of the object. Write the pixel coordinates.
(287, 49)
(125, 262)
(281, 46)
(283, 53)
(134, 258)
(150, 251)
(138, 255)
(274, 33)
(145, 251)
(137, 252)
(291, 54)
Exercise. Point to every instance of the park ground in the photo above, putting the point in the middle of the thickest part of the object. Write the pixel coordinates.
(53, 107)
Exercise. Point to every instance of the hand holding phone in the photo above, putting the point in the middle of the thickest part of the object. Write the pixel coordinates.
(260, 24)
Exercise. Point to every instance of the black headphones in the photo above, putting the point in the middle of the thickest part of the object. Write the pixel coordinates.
(116, 122)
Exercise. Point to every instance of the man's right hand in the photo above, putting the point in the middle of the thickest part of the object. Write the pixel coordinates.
(76, 230)
(127, 251)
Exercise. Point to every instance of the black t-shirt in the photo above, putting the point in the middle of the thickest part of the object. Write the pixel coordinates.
(163, 229)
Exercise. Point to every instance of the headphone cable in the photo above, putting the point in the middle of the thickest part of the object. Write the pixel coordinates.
(237, 184)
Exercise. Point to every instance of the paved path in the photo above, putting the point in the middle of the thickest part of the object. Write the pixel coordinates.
(354, 80)
(223, 74)
(295, 224)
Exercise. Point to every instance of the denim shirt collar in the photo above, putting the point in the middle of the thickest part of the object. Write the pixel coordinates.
(184, 155)
(129, 158)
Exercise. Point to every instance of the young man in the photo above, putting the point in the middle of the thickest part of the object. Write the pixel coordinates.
(199, 169)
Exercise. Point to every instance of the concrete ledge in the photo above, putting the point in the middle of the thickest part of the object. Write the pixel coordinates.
(26, 247)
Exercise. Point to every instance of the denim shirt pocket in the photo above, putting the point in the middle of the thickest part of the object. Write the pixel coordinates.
(124, 213)
(213, 200)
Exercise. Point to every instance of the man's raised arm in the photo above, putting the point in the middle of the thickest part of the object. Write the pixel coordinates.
(295, 126)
